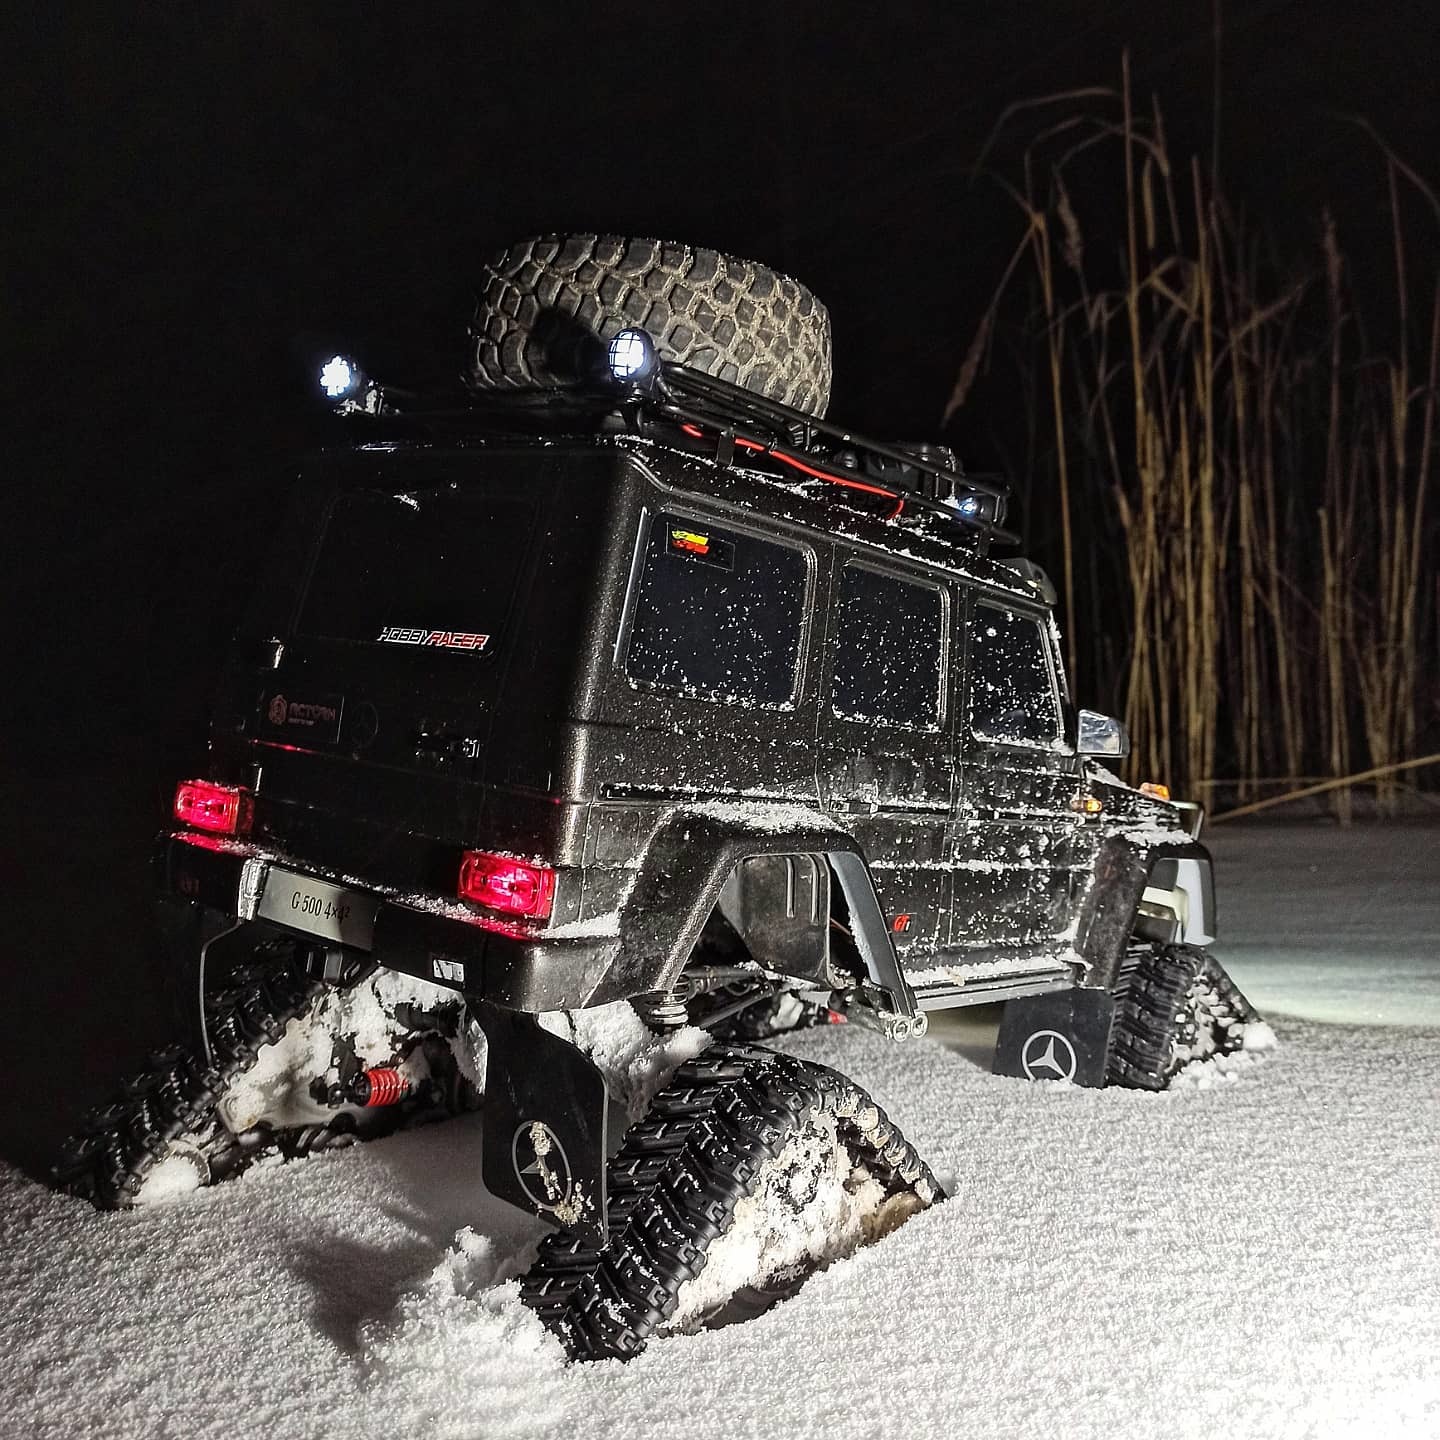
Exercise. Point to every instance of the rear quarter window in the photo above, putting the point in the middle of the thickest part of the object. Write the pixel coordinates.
(718, 614)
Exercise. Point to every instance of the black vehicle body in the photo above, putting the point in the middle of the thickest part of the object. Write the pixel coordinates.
(791, 715)
(618, 690)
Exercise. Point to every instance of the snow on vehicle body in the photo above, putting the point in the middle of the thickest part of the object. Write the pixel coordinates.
(603, 736)
(688, 701)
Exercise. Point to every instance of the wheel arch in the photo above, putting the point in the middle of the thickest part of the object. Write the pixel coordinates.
(686, 867)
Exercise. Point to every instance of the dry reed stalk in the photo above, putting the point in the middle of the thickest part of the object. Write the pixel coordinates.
(1270, 491)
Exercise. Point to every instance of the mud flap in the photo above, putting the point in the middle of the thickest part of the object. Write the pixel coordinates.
(1056, 1037)
(545, 1112)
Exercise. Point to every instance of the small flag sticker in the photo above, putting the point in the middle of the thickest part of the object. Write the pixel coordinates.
(687, 544)
(690, 541)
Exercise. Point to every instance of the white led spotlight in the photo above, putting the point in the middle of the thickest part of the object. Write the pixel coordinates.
(632, 357)
(340, 377)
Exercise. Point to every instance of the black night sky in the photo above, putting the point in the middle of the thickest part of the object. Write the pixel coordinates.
(200, 197)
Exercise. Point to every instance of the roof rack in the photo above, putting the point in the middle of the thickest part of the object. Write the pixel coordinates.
(923, 478)
(734, 424)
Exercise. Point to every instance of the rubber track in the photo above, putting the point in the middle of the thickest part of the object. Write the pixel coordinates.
(1155, 1011)
(118, 1144)
(675, 1183)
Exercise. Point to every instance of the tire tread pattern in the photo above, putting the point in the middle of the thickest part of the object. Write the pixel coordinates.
(175, 1096)
(548, 304)
(118, 1143)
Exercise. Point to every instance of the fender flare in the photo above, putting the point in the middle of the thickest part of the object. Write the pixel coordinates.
(686, 865)
(1122, 872)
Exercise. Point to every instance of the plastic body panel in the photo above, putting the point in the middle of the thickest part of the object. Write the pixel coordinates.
(644, 799)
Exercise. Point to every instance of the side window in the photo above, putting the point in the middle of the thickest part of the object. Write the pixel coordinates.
(1012, 689)
(718, 614)
(887, 650)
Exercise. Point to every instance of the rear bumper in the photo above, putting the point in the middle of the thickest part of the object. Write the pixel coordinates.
(436, 940)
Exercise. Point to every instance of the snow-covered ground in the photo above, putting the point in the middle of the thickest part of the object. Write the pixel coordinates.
(1258, 1256)
(1329, 924)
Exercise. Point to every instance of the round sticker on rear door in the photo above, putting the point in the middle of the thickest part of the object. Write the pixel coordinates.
(303, 719)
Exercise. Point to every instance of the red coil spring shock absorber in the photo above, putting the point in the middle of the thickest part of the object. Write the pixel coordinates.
(384, 1085)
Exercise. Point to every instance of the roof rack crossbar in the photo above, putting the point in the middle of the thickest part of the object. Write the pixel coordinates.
(724, 426)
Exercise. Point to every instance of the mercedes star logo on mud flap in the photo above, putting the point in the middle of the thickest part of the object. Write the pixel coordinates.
(541, 1165)
(1048, 1055)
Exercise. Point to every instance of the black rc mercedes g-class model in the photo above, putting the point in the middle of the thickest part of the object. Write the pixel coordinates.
(620, 687)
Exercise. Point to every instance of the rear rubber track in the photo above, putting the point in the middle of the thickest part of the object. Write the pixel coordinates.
(169, 1108)
(675, 1183)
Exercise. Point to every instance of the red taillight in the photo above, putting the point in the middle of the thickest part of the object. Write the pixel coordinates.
(221, 809)
(510, 886)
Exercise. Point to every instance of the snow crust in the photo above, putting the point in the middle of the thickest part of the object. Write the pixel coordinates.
(776, 818)
(276, 1088)
(1251, 1254)
(635, 1061)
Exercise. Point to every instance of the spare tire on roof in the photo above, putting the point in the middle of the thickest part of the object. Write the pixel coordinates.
(548, 305)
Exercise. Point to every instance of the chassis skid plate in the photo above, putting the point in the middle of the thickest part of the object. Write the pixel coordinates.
(545, 1114)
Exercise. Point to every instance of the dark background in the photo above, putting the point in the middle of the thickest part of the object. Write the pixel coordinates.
(198, 198)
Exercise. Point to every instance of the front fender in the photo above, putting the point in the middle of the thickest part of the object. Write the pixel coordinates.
(1122, 870)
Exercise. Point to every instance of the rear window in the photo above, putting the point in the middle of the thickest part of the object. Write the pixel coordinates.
(718, 614)
(432, 569)
(887, 650)
(1012, 689)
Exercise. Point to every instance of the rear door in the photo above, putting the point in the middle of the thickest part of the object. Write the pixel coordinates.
(413, 616)
(886, 763)
(1015, 829)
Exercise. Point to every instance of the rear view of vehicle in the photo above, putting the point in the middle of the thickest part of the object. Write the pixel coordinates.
(620, 694)
(385, 794)
(409, 657)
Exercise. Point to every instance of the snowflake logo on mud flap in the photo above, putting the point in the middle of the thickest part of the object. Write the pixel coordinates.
(278, 710)
(543, 1170)
(1048, 1055)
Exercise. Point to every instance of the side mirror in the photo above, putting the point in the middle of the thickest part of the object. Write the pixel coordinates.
(1097, 734)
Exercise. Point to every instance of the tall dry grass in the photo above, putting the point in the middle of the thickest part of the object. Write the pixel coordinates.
(1233, 468)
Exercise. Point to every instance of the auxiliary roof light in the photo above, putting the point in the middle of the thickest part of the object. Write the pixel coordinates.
(969, 507)
(632, 357)
(340, 377)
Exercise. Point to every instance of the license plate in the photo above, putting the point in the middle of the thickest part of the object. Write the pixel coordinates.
(319, 908)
